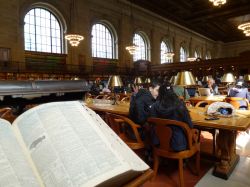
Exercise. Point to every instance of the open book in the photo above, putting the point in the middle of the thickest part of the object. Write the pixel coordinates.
(64, 144)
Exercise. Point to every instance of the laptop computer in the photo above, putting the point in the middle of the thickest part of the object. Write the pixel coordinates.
(204, 91)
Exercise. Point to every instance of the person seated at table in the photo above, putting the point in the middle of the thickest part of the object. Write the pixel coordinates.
(240, 91)
(169, 106)
(141, 102)
(179, 91)
(212, 86)
(106, 89)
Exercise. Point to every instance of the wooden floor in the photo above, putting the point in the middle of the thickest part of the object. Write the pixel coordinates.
(168, 172)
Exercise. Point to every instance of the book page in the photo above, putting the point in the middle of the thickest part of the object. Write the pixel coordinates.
(14, 166)
(128, 155)
(67, 147)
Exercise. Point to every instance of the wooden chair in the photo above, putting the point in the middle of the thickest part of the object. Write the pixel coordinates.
(202, 104)
(126, 99)
(164, 150)
(101, 97)
(6, 113)
(89, 95)
(235, 101)
(120, 125)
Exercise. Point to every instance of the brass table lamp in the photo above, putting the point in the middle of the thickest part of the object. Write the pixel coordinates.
(205, 78)
(184, 78)
(171, 81)
(113, 82)
(147, 81)
(138, 81)
(228, 78)
(247, 78)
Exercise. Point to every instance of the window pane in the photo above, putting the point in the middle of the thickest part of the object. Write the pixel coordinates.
(183, 55)
(141, 53)
(38, 31)
(208, 55)
(102, 43)
(165, 49)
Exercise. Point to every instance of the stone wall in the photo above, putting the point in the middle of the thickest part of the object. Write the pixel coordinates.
(118, 14)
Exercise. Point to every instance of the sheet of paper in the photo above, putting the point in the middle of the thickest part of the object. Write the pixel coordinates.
(14, 167)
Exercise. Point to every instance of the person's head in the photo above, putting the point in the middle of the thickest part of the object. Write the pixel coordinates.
(167, 97)
(241, 77)
(210, 81)
(154, 88)
(239, 84)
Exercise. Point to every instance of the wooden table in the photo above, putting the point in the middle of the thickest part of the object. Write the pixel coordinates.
(121, 109)
(226, 139)
(215, 98)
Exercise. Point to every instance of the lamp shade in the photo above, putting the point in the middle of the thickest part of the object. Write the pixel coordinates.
(138, 80)
(172, 79)
(147, 81)
(247, 78)
(115, 81)
(184, 78)
(205, 78)
(228, 78)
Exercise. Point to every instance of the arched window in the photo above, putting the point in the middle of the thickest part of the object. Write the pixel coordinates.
(42, 31)
(208, 55)
(183, 54)
(197, 54)
(142, 53)
(165, 48)
(103, 41)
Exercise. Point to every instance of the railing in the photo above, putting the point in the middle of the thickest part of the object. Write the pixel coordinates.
(238, 65)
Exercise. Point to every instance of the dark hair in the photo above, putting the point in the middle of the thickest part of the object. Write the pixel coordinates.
(154, 83)
(168, 99)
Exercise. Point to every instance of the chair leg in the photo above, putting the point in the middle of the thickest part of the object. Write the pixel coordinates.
(197, 163)
(156, 165)
(181, 172)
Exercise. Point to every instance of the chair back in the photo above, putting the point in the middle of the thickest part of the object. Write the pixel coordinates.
(236, 101)
(164, 132)
(7, 113)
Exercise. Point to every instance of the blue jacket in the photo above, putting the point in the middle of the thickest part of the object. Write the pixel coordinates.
(178, 113)
(140, 104)
(240, 92)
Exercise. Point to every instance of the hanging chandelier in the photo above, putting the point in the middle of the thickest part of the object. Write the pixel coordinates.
(245, 27)
(73, 38)
(218, 2)
(169, 55)
(132, 49)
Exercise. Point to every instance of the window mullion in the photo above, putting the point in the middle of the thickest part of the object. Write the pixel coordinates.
(50, 29)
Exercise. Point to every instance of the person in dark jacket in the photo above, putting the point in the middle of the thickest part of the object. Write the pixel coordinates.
(141, 102)
(169, 106)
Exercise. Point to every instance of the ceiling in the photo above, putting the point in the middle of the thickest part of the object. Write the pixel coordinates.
(217, 23)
